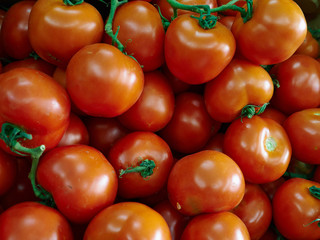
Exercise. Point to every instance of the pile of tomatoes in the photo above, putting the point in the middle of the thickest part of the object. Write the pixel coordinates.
(159, 119)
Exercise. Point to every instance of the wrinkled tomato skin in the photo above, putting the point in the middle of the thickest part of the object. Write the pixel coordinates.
(260, 146)
(197, 179)
(223, 225)
(267, 38)
(32, 220)
(303, 130)
(41, 106)
(67, 29)
(97, 80)
(84, 184)
(293, 218)
(195, 55)
(133, 220)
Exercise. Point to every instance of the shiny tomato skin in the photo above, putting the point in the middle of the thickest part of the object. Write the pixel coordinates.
(67, 29)
(222, 225)
(239, 84)
(133, 221)
(275, 31)
(227, 21)
(80, 179)
(98, 80)
(197, 179)
(141, 33)
(309, 47)
(44, 115)
(8, 172)
(32, 220)
(260, 146)
(275, 114)
(292, 218)
(299, 79)
(195, 55)
(14, 36)
(303, 130)
(130, 151)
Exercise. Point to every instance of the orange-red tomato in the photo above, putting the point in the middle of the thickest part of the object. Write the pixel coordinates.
(309, 47)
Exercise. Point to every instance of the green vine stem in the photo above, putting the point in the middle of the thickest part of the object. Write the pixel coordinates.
(72, 2)
(145, 169)
(10, 134)
(315, 192)
(251, 110)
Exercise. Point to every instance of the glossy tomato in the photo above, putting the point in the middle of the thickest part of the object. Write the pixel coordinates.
(260, 146)
(128, 220)
(80, 179)
(197, 179)
(309, 47)
(274, 114)
(102, 81)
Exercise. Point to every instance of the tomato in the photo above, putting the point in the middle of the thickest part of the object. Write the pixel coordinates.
(255, 211)
(270, 188)
(8, 172)
(59, 75)
(299, 79)
(57, 31)
(227, 21)
(154, 108)
(215, 143)
(293, 218)
(32, 220)
(80, 179)
(134, 150)
(316, 174)
(197, 179)
(223, 225)
(274, 114)
(36, 103)
(303, 130)
(275, 31)
(309, 47)
(102, 81)
(14, 30)
(230, 12)
(240, 83)
(128, 220)
(195, 55)
(260, 146)
(2, 52)
(142, 33)
(177, 85)
(190, 126)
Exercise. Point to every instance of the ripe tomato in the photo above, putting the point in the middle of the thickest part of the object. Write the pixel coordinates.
(197, 179)
(239, 84)
(141, 33)
(227, 21)
(57, 31)
(303, 130)
(195, 55)
(80, 179)
(32, 220)
(134, 150)
(293, 218)
(14, 30)
(154, 108)
(8, 172)
(260, 146)
(230, 12)
(274, 114)
(270, 188)
(102, 81)
(215, 143)
(309, 47)
(223, 225)
(275, 31)
(128, 220)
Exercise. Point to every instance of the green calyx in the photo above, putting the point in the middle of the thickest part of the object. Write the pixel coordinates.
(315, 192)
(206, 21)
(72, 2)
(145, 169)
(251, 110)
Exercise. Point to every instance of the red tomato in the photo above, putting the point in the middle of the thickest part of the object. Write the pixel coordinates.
(215, 143)
(197, 179)
(309, 47)
(195, 55)
(141, 33)
(57, 31)
(154, 108)
(2, 52)
(270, 188)
(44, 115)
(134, 150)
(190, 126)
(32, 220)
(102, 81)
(240, 83)
(275, 31)
(128, 220)
(299, 79)
(294, 209)
(227, 21)
(14, 30)
(260, 146)
(223, 225)
(80, 179)
(303, 129)
(274, 114)
(8, 172)
(59, 75)
(255, 211)
(177, 85)
(230, 12)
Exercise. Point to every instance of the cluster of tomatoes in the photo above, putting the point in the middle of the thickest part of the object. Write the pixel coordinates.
(159, 119)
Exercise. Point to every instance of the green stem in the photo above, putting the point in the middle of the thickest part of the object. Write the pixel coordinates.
(145, 169)
(230, 6)
(72, 2)
(315, 192)
(298, 175)
(248, 15)
(251, 110)
(193, 8)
